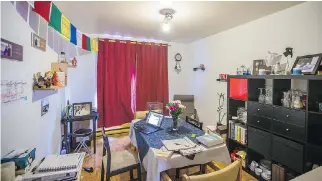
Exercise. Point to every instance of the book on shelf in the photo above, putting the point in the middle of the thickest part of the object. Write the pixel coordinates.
(238, 132)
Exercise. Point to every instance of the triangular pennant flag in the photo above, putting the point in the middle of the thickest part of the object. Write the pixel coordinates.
(42, 8)
(55, 18)
(84, 42)
(88, 43)
(79, 37)
(73, 34)
(65, 27)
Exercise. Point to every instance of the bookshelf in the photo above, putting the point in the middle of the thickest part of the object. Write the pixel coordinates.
(287, 137)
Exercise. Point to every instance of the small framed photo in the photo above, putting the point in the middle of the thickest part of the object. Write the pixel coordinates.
(309, 64)
(82, 109)
(38, 42)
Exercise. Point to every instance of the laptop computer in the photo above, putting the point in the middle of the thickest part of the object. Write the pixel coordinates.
(152, 124)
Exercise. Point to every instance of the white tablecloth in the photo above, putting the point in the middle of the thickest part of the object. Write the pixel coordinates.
(154, 166)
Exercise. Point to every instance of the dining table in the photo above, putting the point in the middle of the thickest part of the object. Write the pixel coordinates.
(149, 144)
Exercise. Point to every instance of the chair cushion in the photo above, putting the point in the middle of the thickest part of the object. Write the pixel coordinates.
(140, 114)
(82, 132)
(121, 159)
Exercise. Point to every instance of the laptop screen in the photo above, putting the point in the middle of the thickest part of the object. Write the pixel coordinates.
(154, 118)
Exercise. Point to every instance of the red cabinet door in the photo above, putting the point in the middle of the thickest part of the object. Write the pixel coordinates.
(238, 89)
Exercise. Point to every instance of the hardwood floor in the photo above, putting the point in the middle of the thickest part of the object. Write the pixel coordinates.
(95, 161)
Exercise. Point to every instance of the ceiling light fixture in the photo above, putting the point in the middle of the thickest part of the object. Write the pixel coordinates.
(168, 15)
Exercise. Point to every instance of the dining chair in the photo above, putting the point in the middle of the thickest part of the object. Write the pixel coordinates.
(231, 172)
(117, 162)
(194, 122)
(198, 125)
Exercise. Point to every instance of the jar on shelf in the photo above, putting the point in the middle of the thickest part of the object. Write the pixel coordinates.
(62, 58)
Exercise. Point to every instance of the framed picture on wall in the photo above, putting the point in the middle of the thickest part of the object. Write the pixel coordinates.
(82, 109)
(38, 42)
(10, 50)
(309, 64)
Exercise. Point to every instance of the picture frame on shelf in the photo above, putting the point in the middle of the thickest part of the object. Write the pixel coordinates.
(82, 109)
(308, 64)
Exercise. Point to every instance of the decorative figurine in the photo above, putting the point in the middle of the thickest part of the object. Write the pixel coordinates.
(74, 62)
(55, 79)
(49, 79)
(39, 81)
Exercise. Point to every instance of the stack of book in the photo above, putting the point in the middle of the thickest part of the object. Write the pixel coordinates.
(238, 132)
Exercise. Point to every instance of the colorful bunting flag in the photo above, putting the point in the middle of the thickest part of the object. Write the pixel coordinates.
(42, 8)
(73, 34)
(79, 37)
(55, 18)
(84, 42)
(88, 43)
(65, 27)
(94, 45)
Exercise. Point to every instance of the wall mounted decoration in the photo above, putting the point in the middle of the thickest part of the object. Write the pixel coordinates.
(13, 90)
(178, 59)
(201, 67)
(38, 42)
(222, 78)
(308, 64)
(44, 106)
(11, 50)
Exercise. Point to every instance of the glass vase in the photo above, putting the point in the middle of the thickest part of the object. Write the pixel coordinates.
(175, 124)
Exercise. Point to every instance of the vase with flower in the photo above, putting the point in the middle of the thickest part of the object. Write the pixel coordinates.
(175, 109)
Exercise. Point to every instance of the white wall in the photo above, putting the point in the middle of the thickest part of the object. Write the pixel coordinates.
(299, 27)
(181, 83)
(21, 123)
(82, 80)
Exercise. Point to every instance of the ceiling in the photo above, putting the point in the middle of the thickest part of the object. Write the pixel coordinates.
(141, 19)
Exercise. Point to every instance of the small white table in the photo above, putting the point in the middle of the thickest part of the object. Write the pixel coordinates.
(154, 165)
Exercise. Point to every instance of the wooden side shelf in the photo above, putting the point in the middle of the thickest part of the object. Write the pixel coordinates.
(46, 89)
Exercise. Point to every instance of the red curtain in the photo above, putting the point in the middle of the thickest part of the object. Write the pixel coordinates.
(129, 73)
(152, 75)
(116, 60)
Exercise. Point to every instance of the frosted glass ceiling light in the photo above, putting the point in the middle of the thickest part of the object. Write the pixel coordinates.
(168, 15)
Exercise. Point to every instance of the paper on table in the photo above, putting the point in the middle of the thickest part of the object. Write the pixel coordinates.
(178, 144)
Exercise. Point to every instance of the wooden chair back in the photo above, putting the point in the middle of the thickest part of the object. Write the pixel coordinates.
(194, 122)
(106, 150)
(230, 173)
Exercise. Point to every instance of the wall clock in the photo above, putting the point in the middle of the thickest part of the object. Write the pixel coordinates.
(178, 58)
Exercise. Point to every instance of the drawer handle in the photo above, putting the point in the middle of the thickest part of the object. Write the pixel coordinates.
(258, 121)
(287, 115)
(258, 109)
(287, 129)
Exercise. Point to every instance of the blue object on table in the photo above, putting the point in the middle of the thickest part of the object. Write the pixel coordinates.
(297, 71)
(154, 140)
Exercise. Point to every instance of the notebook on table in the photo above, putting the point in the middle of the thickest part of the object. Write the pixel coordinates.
(56, 168)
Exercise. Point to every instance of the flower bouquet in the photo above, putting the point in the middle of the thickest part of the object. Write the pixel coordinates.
(175, 108)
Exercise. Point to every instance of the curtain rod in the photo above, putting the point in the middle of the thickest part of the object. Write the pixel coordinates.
(134, 42)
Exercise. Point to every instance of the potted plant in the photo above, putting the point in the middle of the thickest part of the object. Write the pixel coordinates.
(175, 109)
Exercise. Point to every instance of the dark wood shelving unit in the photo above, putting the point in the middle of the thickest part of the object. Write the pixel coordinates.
(288, 137)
